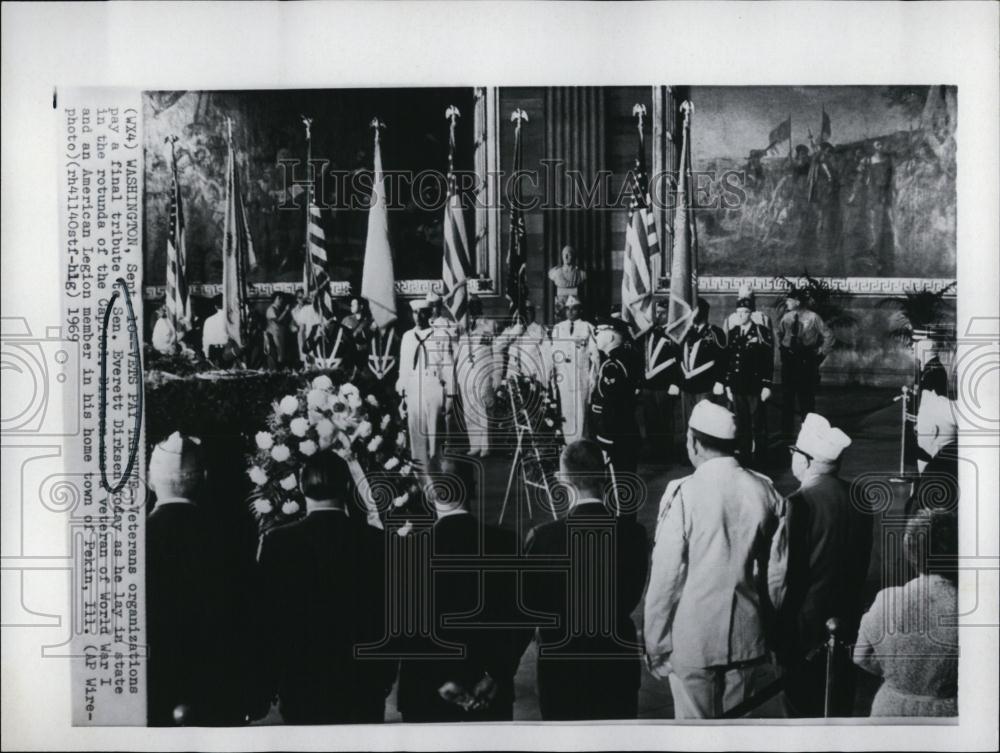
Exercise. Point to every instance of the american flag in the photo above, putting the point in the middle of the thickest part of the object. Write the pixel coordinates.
(455, 265)
(315, 279)
(178, 302)
(641, 246)
(516, 282)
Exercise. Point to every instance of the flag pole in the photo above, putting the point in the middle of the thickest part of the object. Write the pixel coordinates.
(307, 276)
(789, 137)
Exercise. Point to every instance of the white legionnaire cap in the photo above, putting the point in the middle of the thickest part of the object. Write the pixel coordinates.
(820, 440)
(175, 458)
(713, 420)
(419, 304)
(433, 298)
(936, 412)
(572, 301)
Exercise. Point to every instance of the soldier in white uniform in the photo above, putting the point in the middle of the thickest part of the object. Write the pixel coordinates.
(721, 553)
(526, 345)
(574, 358)
(426, 382)
(476, 374)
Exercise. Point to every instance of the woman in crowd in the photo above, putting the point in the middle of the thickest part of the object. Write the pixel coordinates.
(909, 636)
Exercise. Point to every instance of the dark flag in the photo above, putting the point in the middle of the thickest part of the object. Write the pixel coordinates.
(177, 300)
(684, 261)
(516, 273)
(825, 131)
(237, 251)
(781, 132)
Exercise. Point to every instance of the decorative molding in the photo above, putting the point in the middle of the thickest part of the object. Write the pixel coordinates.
(860, 286)
(340, 289)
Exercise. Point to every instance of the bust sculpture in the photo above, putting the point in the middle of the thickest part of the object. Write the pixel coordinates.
(568, 279)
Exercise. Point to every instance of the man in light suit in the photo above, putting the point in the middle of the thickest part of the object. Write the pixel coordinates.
(426, 381)
(717, 571)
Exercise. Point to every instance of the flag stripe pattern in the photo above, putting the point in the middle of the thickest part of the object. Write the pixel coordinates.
(641, 246)
(455, 267)
(177, 300)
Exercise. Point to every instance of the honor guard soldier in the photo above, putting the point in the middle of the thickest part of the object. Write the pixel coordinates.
(331, 346)
(612, 404)
(804, 341)
(358, 323)
(575, 361)
(703, 360)
(475, 372)
(426, 381)
(750, 366)
(660, 382)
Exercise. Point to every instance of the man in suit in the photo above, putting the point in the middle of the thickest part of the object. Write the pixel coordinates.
(592, 567)
(829, 546)
(324, 582)
(703, 361)
(718, 567)
(574, 363)
(475, 371)
(749, 367)
(197, 621)
(464, 670)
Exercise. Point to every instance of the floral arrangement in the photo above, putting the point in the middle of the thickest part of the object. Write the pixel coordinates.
(329, 414)
(544, 416)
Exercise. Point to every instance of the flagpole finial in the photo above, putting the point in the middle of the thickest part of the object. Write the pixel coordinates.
(518, 116)
(452, 113)
(307, 122)
(376, 123)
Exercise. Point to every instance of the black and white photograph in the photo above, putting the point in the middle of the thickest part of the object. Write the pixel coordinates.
(668, 436)
(500, 376)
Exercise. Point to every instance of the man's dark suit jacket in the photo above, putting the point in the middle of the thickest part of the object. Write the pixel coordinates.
(589, 659)
(324, 579)
(472, 618)
(199, 620)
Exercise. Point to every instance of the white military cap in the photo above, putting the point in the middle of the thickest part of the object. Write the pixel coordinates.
(936, 412)
(419, 304)
(433, 297)
(820, 440)
(572, 301)
(175, 457)
(714, 420)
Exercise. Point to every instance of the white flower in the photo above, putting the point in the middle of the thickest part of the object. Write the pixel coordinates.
(290, 507)
(401, 500)
(385, 421)
(307, 447)
(289, 482)
(375, 443)
(264, 440)
(262, 506)
(322, 382)
(347, 389)
(372, 401)
(289, 404)
(324, 428)
(337, 405)
(406, 470)
(280, 453)
(354, 401)
(299, 426)
(317, 399)
(391, 463)
(401, 439)
(364, 430)
(257, 475)
(549, 422)
(406, 528)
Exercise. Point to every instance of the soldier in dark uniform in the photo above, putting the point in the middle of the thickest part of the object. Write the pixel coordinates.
(660, 383)
(750, 367)
(612, 404)
(804, 341)
(703, 361)
(333, 346)
(382, 356)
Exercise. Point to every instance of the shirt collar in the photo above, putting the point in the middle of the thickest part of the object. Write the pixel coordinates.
(449, 513)
(716, 464)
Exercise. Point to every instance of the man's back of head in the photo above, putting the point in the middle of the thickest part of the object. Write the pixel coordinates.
(450, 483)
(582, 468)
(326, 480)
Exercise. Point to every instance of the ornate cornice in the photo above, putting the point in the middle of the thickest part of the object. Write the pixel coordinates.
(340, 289)
(859, 286)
